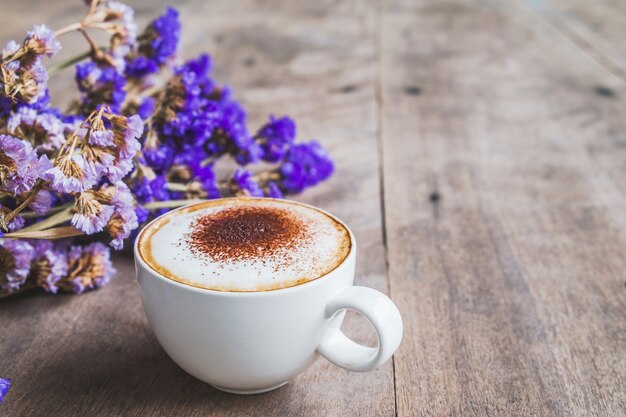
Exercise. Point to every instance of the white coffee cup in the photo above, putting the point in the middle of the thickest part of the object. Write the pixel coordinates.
(253, 342)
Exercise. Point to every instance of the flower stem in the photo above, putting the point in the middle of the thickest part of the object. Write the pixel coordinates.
(209, 160)
(29, 285)
(171, 204)
(33, 193)
(33, 215)
(54, 233)
(172, 186)
(53, 220)
(267, 176)
(61, 66)
(136, 91)
(68, 29)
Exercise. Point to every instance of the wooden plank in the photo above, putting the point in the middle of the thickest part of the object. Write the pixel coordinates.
(504, 201)
(598, 27)
(95, 355)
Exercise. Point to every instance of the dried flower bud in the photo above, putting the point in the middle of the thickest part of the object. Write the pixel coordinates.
(90, 215)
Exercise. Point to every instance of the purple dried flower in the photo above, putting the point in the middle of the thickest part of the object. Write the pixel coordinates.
(41, 104)
(102, 138)
(128, 130)
(157, 45)
(111, 152)
(121, 197)
(20, 167)
(245, 149)
(160, 157)
(167, 30)
(232, 133)
(207, 119)
(100, 159)
(71, 122)
(16, 223)
(10, 48)
(146, 190)
(122, 219)
(146, 108)
(71, 174)
(205, 176)
(24, 78)
(305, 165)
(42, 202)
(28, 83)
(142, 214)
(103, 257)
(15, 258)
(273, 190)
(275, 138)
(91, 216)
(88, 267)
(5, 384)
(201, 171)
(196, 71)
(158, 189)
(140, 66)
(122, 223)
(125, 13)
(5, 105)
(187, 98)
(100, 85)
(87, 75)
(35, 83)
(142, 191)
(43, 128)
(49, 265)
(119, 169)
(42, 41)
(244, 180)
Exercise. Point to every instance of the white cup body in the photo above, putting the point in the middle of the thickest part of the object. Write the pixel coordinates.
(252, 342)
(241, 341)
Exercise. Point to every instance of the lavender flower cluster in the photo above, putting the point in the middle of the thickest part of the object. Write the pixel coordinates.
(146, 134)
(5, 384)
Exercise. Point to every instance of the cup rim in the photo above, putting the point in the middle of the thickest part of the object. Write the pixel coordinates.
(140, 262)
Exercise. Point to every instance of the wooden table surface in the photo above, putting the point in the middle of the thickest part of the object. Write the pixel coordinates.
(481, 155)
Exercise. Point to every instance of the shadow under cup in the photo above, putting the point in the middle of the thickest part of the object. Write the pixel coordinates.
(253, 342)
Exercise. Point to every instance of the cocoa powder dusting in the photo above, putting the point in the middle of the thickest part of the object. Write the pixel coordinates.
(246, 233)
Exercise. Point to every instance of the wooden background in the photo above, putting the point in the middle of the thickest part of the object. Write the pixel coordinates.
(481, 154)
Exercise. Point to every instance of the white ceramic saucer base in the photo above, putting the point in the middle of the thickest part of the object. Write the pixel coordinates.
(250, 392)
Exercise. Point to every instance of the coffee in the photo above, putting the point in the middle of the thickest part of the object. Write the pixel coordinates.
(244, 244)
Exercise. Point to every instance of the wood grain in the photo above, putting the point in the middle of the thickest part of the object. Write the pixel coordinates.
(597, 27)
(94, 354)
(504, 212)
(503, 158)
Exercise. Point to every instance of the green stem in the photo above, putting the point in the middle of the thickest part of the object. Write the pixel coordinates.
(51, 221)
(61, 66)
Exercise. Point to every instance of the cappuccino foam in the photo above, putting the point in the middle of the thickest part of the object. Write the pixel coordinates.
(244, 244)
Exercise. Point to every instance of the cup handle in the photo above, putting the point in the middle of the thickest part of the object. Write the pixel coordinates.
(380, 311)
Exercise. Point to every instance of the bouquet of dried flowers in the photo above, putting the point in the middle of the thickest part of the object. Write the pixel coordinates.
(144, 135)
